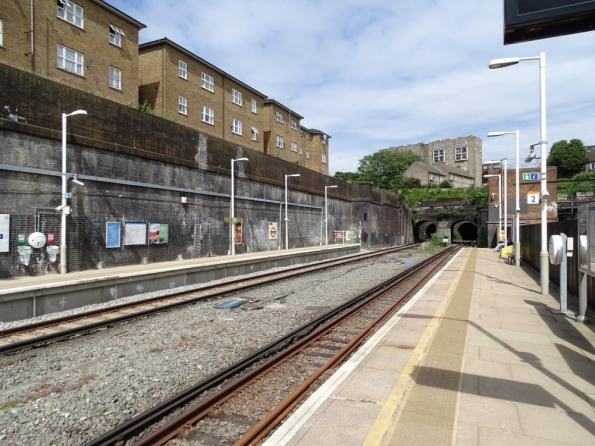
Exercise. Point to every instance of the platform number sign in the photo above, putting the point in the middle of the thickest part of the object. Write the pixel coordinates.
(533, 198)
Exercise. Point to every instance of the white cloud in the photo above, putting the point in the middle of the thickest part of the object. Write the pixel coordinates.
(380, 73)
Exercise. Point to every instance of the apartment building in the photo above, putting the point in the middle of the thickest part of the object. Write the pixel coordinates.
(85, 44)
(463, 153)
(177, 83)
(434, 174)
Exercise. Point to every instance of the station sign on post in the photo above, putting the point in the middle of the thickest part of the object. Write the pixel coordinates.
(533, 198)
(531, 176)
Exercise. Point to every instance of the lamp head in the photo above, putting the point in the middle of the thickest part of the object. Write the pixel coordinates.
(77, 181)
(331, 186)
(59, 208)
(242, 159)
(530, 157)
(293, 175)
(77, 112)
(504, 62)
(491, 134)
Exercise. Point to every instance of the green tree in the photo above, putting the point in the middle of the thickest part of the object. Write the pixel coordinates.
(445, 184)
(411, 183)
(352, 177)
(385, 168)
(476, 197)
(569, 157)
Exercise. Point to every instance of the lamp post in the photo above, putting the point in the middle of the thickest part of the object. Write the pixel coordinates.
(326, 214)
(232, 226)
(499, 202)
(287, 219)
(504, 199)
(517, 214)
(544, 271)
(64, 207)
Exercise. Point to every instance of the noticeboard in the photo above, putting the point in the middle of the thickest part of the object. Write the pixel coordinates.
(112, 235)
(4, 232)
(135, 233)
(158, 233)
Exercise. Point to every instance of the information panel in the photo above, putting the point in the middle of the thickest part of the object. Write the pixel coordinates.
(112, 235)
(135, 233)
(158, 233)
(586, 234)
(4, 232)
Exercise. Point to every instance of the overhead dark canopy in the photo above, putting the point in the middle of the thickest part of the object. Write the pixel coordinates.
(526, 20)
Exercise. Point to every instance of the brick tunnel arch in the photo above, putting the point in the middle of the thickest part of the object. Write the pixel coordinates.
(424, 229)
(467, 229)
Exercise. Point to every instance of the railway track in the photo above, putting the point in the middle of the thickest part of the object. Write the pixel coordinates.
(15, 339)
(229, 407)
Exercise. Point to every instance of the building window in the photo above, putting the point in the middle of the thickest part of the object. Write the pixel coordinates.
(70, 60)
(593, 165)
(279, 141)
(461, 153)
(323, 139)
(207, 82)
(115, 78)
(293, 146)
(324, 158)
(208, 115)
(293, 125)
(307, 136)
(439, 155)
(1, 34)
(307, 154)
(115, 35)
(301, 151)
(236, 97)
(279, 116)
(182, 105)
(254, 134)
(253, 106)
(71, 12)
(183, 69)
(236, 126)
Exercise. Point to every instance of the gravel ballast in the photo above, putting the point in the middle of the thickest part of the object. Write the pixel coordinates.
(68, 393)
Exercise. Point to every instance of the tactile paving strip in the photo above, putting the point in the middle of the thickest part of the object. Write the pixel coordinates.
(428, 415)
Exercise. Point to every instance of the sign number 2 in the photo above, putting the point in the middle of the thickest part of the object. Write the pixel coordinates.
(532, 198)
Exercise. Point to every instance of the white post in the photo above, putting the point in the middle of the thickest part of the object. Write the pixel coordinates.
(64, 181)
(505, 209)
(232, 204)
(286, 218)
(326, 214)
(499, 207)
(517, 242)
(63, 221)
(543, 255)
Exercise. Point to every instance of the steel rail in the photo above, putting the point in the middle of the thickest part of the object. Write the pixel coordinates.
(93, 326)
(127, 429)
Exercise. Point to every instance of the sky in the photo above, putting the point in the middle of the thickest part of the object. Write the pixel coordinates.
(374, 74)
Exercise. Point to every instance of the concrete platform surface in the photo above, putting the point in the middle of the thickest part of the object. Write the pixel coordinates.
(476, 358)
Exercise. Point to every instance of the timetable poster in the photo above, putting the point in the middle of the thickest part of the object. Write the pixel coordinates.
(135, 233)
(112, 235)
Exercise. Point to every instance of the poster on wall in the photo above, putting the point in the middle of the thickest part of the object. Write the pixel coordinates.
(4, 232)
(135, 233)
(158, 233)
(237, 233)
(112, 235)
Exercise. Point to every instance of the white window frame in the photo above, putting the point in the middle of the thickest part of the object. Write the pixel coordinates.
(1, 33)
(279, 141)
(182, 105)
(301, 151)
(324, 139)
(438, 155)
(324, 158)
(183, 69)
(293, 146)
(115, 35)
(308, 136)
(461, 153)
(254, 134)
(76, 59)
(293, 125)
(279, 116)
(207, 115)
(236, 97)
(207, 82)
(236, 126)
(253, 106)
(307, 154)
(115, 78)
(71, 13)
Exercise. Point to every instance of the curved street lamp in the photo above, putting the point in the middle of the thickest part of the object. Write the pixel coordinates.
(64, 208)
(287, 219)
(544, 271)
(232, 225)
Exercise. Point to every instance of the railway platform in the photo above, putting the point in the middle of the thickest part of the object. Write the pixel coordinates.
(477, 357)
(28, 297)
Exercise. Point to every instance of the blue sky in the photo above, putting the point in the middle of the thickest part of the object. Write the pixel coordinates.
(378, 73)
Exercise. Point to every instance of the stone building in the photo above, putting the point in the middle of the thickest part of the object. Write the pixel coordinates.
(435, 174)
(86, 44)
(462, 152)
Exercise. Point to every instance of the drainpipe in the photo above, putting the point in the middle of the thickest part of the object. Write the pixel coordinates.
(32, 47)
